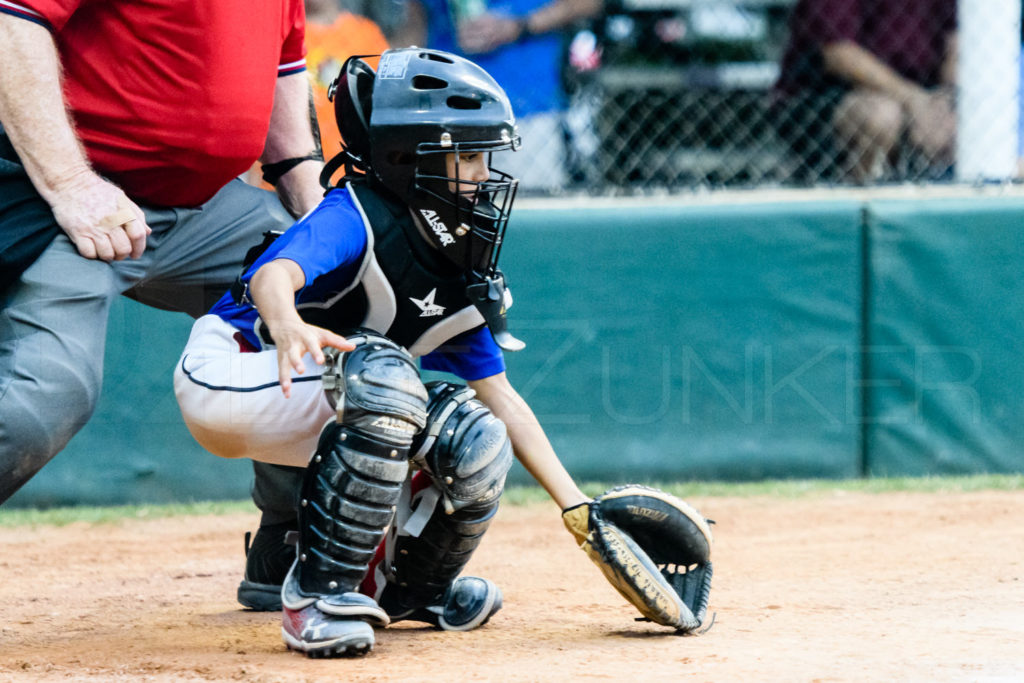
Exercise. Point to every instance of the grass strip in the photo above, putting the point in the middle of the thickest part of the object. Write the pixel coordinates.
(527, 495)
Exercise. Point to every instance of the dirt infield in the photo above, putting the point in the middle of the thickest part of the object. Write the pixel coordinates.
(824, 587)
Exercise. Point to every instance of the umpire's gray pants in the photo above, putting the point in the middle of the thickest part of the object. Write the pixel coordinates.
(54, 322)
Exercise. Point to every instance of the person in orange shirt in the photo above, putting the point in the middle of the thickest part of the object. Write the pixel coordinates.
(332, 36)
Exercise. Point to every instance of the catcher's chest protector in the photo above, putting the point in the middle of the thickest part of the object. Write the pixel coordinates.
(405, 290)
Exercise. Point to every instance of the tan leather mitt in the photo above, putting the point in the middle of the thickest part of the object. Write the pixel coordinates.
(652, 547)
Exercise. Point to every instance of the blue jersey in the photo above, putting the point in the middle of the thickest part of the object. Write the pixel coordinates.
(330, 245)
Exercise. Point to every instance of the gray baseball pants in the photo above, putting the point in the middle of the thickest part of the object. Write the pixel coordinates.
(53, 324)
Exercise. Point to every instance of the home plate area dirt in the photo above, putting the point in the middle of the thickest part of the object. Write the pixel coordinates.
(833, 586)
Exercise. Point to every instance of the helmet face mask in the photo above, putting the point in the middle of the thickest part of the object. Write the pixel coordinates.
(466, 205)
(429, 104)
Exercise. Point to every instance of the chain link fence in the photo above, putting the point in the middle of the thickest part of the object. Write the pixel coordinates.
(675, 95)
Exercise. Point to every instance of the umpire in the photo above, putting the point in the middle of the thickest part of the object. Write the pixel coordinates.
(121, 136)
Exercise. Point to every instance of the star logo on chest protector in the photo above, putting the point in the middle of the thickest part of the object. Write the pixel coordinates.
(427, 304)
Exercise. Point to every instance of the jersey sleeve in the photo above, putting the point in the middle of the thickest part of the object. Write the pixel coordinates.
(330, 237)
(293, 49)
(948, 14)
(52, 14)
(470, 356)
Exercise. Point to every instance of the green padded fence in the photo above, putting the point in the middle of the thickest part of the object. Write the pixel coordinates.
(945, 337)
(673, 343)
(817, 339)
(136, 448)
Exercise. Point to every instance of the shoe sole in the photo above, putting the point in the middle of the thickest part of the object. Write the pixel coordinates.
(352, 646)
(259, 597)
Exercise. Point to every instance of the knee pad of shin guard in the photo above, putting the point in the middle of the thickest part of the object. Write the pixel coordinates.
(376, 389)
(464, 448)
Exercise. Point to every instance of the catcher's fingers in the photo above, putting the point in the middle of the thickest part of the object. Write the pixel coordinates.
(284, 371)
(328, 338)
(293, 355)
(292, 362)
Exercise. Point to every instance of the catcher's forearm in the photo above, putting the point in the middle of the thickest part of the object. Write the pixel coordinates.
(32, 107)
(530, 444)
(273, 289)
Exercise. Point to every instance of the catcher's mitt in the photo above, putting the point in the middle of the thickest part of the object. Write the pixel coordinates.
(653, 548)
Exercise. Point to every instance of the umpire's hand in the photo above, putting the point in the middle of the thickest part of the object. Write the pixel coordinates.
(99, 218)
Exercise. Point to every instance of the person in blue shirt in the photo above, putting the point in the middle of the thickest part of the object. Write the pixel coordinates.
(309, 362)
(520, 44)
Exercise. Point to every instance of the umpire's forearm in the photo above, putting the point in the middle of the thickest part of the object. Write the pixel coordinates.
(294, 133)
(300, 189)
(32, 107)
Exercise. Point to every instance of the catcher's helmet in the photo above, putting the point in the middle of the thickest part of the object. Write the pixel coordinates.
(399, 124)
(351, 93)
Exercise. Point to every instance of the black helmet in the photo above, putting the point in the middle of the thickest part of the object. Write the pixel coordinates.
(401, 123)
(351, 93)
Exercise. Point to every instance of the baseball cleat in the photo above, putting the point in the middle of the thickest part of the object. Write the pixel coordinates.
(468, 603)
(266, 563)
(334, 625)
(318, 634)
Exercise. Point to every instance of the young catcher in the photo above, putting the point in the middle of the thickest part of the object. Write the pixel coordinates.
(309, 362)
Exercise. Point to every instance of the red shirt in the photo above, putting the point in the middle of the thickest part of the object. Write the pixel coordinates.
(908, 35)
(172, 98)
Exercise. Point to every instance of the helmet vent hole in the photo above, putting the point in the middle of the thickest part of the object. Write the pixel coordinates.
(422, 82)
(459, 102)
(433, 56)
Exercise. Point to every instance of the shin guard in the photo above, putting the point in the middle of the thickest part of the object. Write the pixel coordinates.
(425, 565)
(354, 480)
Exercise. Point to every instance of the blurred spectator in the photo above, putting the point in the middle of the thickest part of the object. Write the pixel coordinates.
(332, 36)
(389, 15)
(518, 42)
(868, 83)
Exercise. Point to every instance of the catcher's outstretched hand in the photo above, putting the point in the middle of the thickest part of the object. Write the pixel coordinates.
(652, 547)
(294, 340)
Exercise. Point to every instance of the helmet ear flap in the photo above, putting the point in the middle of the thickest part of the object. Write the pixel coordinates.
(352, 95)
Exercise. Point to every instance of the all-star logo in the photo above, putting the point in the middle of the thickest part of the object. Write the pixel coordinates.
(439, 228)
(427, 304)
